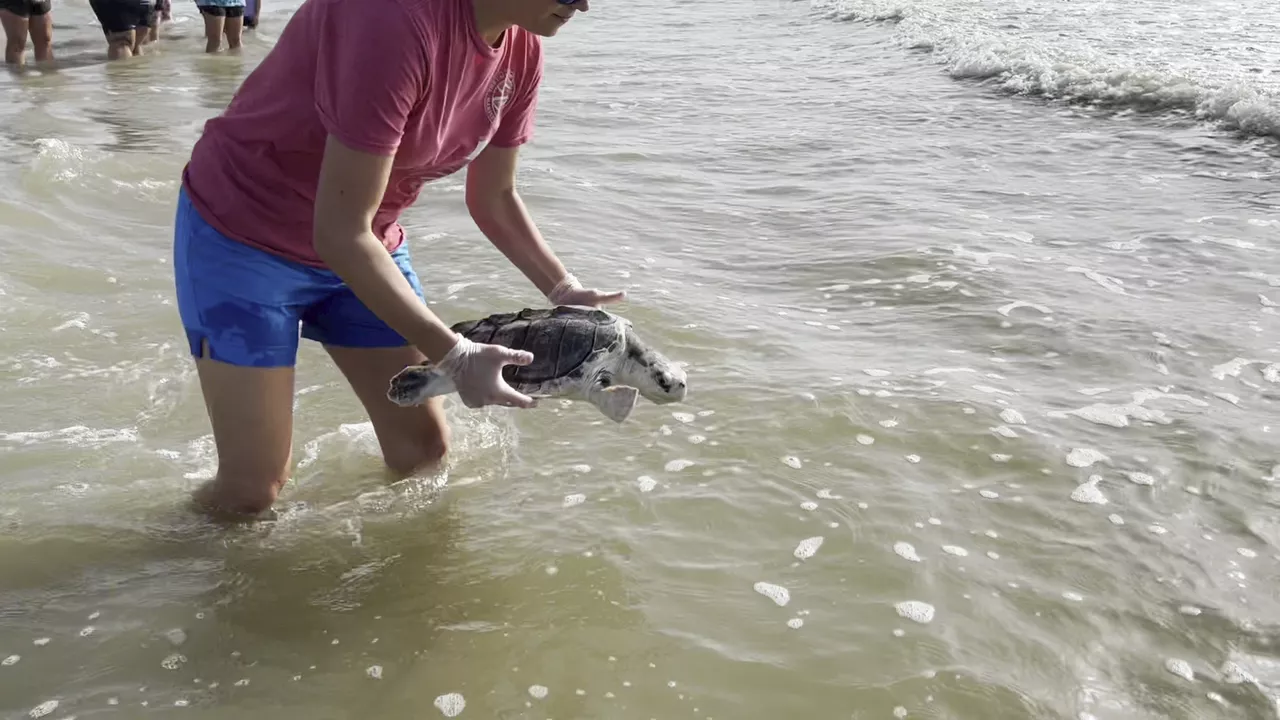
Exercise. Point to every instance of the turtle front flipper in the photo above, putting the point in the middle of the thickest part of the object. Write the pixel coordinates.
(615, 401)
(416, 383)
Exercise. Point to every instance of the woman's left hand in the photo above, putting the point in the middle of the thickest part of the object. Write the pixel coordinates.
(570, 292)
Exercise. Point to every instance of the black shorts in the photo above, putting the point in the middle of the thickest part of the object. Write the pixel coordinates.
(26, 8)
(250, 21)
(121, 16)
(232, 11)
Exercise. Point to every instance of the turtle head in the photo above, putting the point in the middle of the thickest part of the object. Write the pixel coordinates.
(659, 380)
(416, 383)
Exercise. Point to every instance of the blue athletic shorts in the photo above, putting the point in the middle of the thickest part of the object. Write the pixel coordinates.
(248, 304)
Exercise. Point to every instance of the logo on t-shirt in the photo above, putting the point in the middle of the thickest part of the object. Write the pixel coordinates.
(504, 85)
(501, 88)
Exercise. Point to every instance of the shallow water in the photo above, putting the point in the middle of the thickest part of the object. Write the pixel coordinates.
(984, 355)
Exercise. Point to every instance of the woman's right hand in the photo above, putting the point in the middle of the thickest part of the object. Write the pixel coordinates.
(476, 372)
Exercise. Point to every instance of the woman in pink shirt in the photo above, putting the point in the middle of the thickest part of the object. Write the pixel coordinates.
(288, 212)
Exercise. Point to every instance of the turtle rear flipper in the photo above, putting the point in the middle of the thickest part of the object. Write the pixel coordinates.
(416, 383)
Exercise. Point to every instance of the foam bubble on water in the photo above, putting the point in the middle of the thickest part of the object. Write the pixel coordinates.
(1156, 529)
(863, 506)
(1089, 493)
(697, 439)
(795, 623)
(875, 372)
(791, 461)
(1181, 668)
(826, 494)
(913, 458)
(176, 636)
(1233, 674)
(778, 594)
(1005, 432)
(899, 712)
(538, 692)
(374, 671)
(450, 704)
(907, 551)
(87, 631)
(1246, 552)
(989, 494)
(646, 483)
(809, 505)
(684, 417)
(993, 554)
(11, 660)
(173, 662)
(916, 611)
(1084, 457)
(678, 465)
(934, 521)
(865, 440)
(1012, 417)
(40, 642)
(1140, 478)
(889, 423)
(1001, 457)
(808, 547)
(581, 469)
(1115, 519)
(1073, 596)
(43, 709)
(1191, 610)
(575, 499)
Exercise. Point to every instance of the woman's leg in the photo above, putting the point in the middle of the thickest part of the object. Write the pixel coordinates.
(213, 24)
(240, 309)
(251, 411)
(369, 353)
(15, 35)
(413, 439)
(234, 28)
(42, 33)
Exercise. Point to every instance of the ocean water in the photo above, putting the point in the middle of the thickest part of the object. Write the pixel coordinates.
(980, 306)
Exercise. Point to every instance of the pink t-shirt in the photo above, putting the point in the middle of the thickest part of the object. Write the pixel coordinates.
(410, 78)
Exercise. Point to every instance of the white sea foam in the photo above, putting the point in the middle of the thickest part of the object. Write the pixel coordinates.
(907, 551)
(808, 547)
(778, 594)
(450, 704)
(916, 611)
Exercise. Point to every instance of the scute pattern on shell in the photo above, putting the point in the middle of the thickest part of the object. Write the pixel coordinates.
(562, 339)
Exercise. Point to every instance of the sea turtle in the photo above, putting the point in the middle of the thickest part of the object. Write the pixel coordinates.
(580, 353)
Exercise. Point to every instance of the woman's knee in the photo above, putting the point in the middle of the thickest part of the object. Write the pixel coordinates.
(409, 454)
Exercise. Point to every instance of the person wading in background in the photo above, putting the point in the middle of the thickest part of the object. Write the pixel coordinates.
(222, 17)
(358, 104)
(23, 17)
(126, 23)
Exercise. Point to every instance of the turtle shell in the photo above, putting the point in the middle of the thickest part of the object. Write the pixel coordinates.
(562, 339)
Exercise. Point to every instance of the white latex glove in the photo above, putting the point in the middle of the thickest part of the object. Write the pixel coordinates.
(476, 372)
(570, 292)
